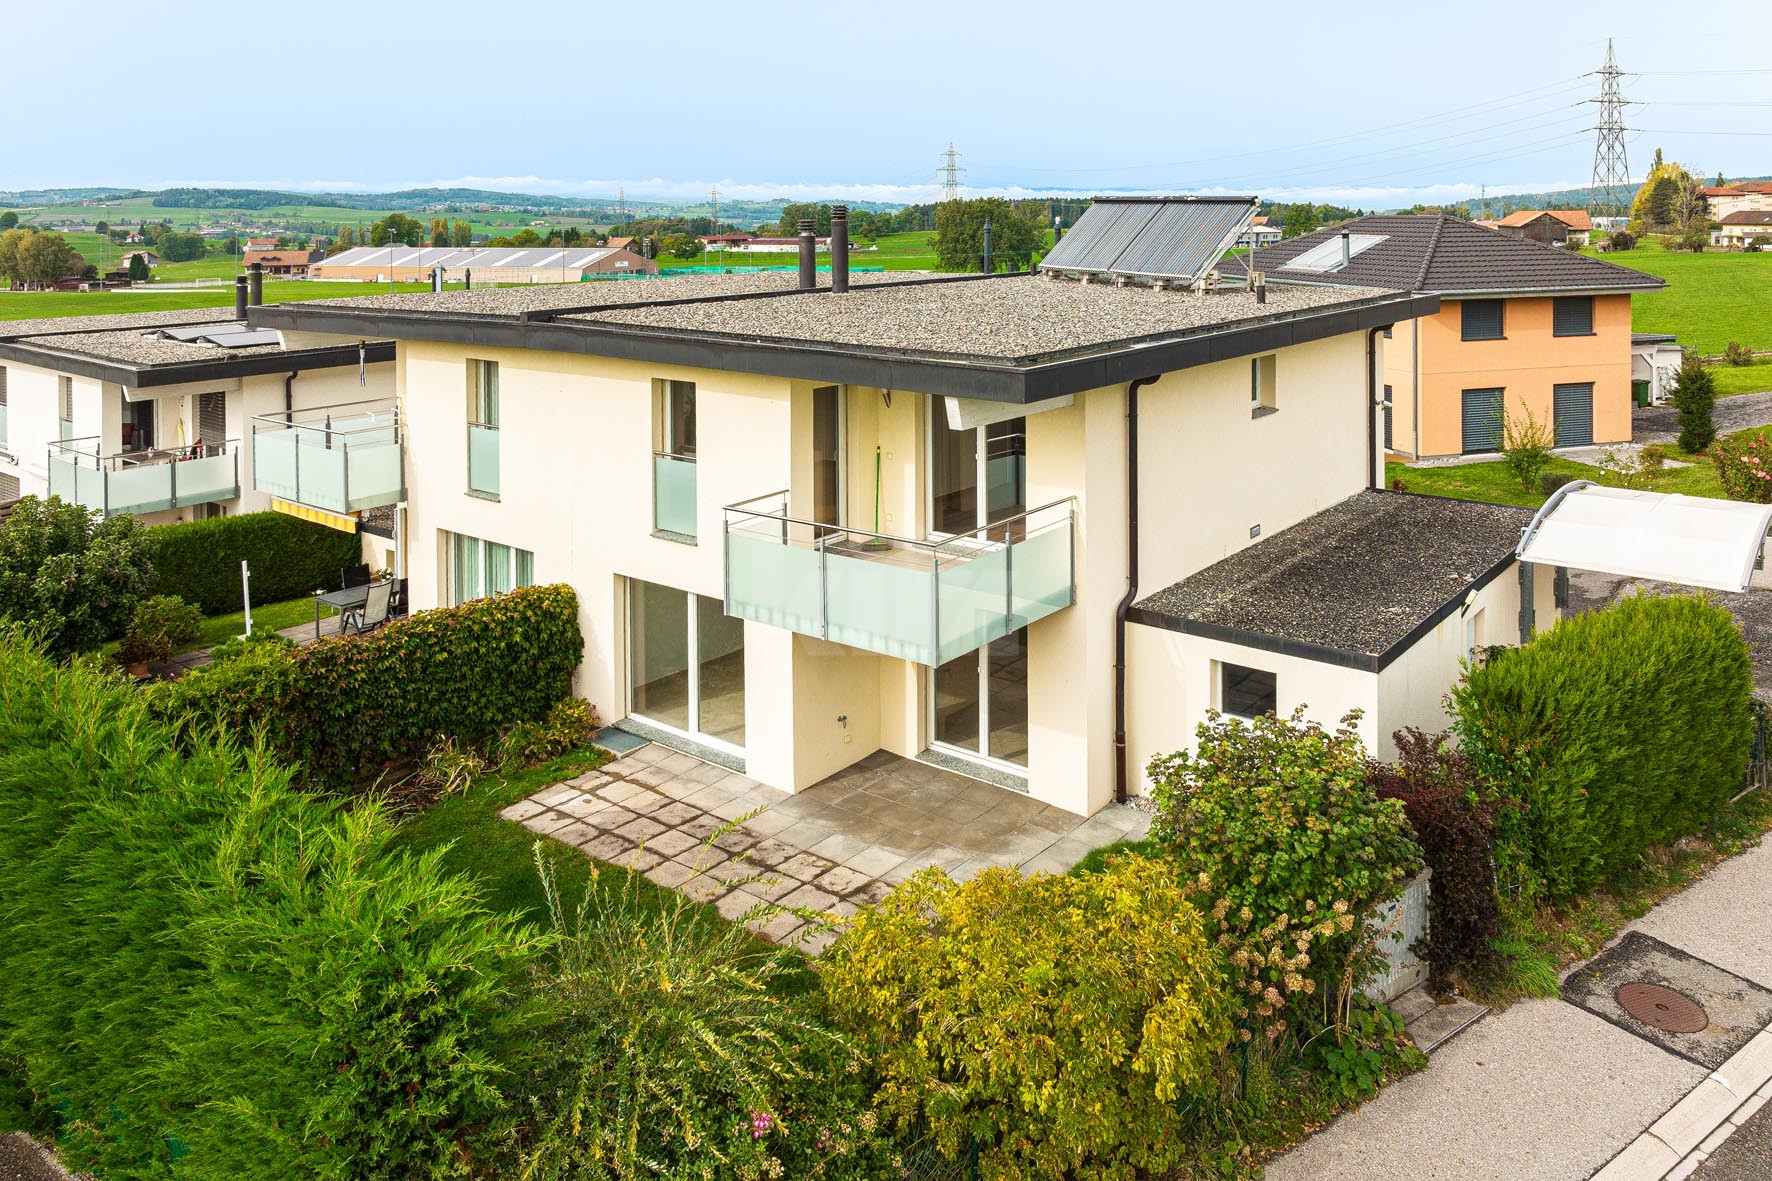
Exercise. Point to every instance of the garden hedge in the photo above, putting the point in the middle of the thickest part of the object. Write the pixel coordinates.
(212, 975)
(348, 704)
(1616, 730)
(199, 561)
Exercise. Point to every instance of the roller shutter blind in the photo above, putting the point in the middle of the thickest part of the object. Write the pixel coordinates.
(1483, 319)
(1482, 421)
(1572, 315)
(1573, 407)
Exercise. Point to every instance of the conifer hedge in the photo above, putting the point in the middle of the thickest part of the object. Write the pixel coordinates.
(199, 561)
(1617, 730)
(211, 974)
(346, 704)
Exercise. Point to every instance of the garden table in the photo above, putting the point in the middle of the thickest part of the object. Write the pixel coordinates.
(341, 601)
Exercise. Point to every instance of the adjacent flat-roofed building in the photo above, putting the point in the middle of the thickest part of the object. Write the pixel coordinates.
(808, 525)
(1521, 328)
(486, 264)
(1744, 227)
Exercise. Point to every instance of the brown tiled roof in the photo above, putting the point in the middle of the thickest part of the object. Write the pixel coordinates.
(1520, 217)
(1445, 256)
(283, 257)
(1575, 219)
(1749, 217)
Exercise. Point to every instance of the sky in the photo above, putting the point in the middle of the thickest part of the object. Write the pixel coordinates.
(1377, 107)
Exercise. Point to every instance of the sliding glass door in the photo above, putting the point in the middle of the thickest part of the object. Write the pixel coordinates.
(978, 701)
(685, 664)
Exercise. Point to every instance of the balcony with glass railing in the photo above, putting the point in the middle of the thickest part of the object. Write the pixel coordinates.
(144, 481)
(342, 459)
(923, 601)
(673, 493)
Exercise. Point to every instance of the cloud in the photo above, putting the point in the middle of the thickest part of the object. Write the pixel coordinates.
(662, 188)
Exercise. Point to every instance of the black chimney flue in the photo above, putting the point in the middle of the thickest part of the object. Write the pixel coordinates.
(240, 296)
(256, 277)
(808, 255)
(839, 248)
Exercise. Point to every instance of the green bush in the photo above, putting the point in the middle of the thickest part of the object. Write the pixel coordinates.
(346, 705)
(1525, 446)
(1056, 1021)
(199, 561)
(200, 961)
(1276, 818)
(160, 624)
(1616, 730)
(669, 1044)
(1695, 396)
(71, 578)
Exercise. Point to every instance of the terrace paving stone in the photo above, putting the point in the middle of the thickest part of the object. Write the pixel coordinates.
(834, 847)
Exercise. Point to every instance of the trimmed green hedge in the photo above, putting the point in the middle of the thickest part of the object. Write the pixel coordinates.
(348, 703)
(1618, 730)
(199, 561)
(205, 966)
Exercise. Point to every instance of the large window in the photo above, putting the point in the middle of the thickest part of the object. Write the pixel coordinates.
(1572, 315)
(479, 568)
(1247, 692)
(1483, 319)
(673, 460)
(483, 474)
(686, 663)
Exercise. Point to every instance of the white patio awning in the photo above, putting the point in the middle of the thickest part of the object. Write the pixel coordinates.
(1690, 540)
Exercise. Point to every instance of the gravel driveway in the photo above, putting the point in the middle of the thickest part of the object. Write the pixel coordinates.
(1661, 424)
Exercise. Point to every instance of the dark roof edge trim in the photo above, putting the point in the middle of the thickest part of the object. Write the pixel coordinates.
(990, 380)
(182, 372)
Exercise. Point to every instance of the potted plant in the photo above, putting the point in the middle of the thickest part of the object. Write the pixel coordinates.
(158, 626)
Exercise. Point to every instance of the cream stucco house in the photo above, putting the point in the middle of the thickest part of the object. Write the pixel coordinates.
(155, 413)
(1027, 527)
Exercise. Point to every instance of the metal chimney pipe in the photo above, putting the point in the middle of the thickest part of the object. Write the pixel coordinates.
(987, 245)
(808, 255)
(1347, 249)
(240, 296)
(839, 248)
(256, 276)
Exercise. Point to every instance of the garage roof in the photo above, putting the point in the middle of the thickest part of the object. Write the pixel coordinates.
(1690, 540)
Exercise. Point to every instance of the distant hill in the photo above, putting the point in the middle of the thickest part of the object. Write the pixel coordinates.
(237, 199)
(1501, 204)
(29, 197)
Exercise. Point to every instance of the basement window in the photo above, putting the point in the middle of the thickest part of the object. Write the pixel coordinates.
(1263, 385)
(1247, 692)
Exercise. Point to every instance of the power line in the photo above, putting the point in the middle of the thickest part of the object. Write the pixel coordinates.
(950, 174)
(1610, 193)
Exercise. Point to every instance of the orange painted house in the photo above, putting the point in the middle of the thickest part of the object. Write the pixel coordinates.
(1522, 329)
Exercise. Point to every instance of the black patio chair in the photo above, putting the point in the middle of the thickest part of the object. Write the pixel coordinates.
(350, 576)
(397, 600)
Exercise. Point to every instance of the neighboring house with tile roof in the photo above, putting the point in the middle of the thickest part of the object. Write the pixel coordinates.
(1748, 196)
(808, 525)
(1744, 227)
(1522, 327)
(1552, 227)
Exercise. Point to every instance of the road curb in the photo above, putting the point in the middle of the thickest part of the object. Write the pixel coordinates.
(1685, 1136)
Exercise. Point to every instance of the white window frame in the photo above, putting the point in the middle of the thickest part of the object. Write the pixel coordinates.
(518, 563)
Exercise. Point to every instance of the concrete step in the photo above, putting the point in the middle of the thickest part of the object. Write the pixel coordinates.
(1429, 1023)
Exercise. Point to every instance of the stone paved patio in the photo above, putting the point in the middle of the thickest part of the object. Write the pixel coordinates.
(831, 848)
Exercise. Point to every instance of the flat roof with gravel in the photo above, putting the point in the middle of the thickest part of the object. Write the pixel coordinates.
(1360, 578)
(136, 346)
(65, 325)
(1020, 321)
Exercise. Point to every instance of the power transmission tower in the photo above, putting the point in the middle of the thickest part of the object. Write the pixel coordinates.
(1611, 191)
(950, 174)
(714, 205)
(621, 202)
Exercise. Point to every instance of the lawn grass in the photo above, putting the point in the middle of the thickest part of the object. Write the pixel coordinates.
(266, 617)
(1742, 379)
(1710, 298)
(31, 305)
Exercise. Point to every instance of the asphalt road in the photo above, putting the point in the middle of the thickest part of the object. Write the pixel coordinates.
(1744, 1156)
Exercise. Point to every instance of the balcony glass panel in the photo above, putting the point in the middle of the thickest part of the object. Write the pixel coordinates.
(483, 459)
(144, 488)
(273, 463)
(339, 458)
(886, 594)
(200, 481)
(2, 422)
(375, 473)
(63, 478)
(673, 494)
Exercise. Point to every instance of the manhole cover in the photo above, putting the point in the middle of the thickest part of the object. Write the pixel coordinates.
(1662, 1008)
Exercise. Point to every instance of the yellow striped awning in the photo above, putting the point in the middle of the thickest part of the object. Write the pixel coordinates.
(343, 522)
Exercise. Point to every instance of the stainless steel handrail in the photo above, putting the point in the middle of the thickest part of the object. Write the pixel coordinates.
(739, 508)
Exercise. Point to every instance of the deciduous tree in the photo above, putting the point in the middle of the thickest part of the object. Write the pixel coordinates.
(71, 577)
(407, 230)
(959, 234)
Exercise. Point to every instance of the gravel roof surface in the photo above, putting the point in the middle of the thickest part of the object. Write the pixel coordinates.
(1010, 319)
(541, 297)
(63, 325)
(1358, 576)
(134, 348)
(1444, 254)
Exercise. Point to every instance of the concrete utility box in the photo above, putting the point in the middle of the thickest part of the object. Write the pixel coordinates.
(1403, 968)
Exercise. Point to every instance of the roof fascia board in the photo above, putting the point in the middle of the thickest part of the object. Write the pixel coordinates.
(179, 373)
(1259, 641)
(996, 381)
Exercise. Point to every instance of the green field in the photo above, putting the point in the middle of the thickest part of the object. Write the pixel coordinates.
(1742, 379)
(1710, 299)
(30, 305)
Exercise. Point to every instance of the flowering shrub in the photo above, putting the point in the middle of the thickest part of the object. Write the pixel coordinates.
(1054, 1021)
(1744, 467)
(1275, 818)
